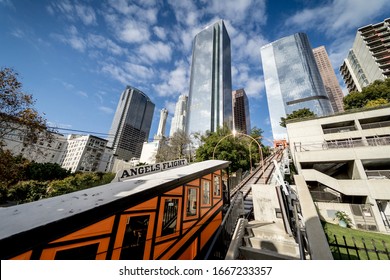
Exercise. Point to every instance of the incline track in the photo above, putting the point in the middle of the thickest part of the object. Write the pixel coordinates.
(259, 176)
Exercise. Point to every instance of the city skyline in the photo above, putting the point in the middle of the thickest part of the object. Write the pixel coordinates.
(76, 58)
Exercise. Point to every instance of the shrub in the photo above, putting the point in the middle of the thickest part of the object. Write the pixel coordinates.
(27, 191)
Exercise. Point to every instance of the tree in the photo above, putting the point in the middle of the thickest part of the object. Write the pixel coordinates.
(379, 90)
(298, 114)
(376, 103)
(17, 114)
(236, 149)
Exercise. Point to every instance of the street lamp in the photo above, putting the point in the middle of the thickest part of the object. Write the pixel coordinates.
(234, 133)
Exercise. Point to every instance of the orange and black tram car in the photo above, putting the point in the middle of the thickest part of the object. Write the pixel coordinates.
(172, 214)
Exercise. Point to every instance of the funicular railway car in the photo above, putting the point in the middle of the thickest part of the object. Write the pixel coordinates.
(166, 215)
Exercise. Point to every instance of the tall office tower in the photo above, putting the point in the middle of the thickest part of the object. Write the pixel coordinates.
(179, 119)
(210, 95)
(292, 80)
(369, 58)
(161, 126)
(242, 122)
(329, 78)
(131, 125)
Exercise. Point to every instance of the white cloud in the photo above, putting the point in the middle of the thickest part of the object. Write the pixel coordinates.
(337, 17)
(104, 43)
(176, 82)
(239, 11)
(73, 11)
(160, 32)
(158, 51)
(82, 93)
(132, 31)
(106, 110)
(18, 33)
(186, 13)
(86, 14)
(128, 73)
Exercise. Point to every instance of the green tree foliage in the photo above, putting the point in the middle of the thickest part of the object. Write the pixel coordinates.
(12, 168)
(298, 114)
(17, 112)
(16, 168)
(376, 102)
(32, 190)
(376, 93)
(27, 191)
(45, 171)
(237, 149)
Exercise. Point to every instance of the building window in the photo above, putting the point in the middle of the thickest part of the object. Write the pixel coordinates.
(206, 192)
(170, 216)
(217, 186)
(192, 202)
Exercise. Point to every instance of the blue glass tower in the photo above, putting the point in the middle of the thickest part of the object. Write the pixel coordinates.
(292, 80)
(210, 95)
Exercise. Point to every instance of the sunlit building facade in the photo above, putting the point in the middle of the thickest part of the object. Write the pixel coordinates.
(329, 78)
(369, 58)
(179, 119)
(210, 95)
(292, 80)
(131, 125)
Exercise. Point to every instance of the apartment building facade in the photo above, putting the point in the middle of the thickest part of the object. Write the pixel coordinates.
(87, 153)
(369, 58)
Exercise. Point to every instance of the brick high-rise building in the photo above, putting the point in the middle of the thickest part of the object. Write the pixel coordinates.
(329, 78)
(241, 115)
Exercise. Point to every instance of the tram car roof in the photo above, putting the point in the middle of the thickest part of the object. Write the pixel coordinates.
(58, 215)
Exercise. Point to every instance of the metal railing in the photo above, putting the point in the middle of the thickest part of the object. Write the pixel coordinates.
(339, 129)
(341, 144)
(222, 238)
(378, 174)
(375, 125)
(355, 250)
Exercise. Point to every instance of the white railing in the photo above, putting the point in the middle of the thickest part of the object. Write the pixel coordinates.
(378, 174)
(341, 144)
(375, 124)
(339, 129)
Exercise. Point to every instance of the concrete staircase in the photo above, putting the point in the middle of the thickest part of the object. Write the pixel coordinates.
(268, 241)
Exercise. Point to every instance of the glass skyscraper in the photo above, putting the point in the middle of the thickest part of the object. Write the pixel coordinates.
(210, 95)
(292, 80)
(131, 125)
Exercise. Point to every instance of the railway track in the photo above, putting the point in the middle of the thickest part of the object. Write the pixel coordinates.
(261, 175)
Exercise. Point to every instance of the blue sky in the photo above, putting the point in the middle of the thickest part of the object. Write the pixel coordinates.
(76, 57)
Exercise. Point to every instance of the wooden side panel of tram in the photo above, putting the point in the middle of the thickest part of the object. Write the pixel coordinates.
(174, 225)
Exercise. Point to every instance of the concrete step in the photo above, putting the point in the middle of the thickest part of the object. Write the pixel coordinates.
(270, 236)
(249, 253)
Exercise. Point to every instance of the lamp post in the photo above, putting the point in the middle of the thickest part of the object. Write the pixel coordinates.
(234, 133)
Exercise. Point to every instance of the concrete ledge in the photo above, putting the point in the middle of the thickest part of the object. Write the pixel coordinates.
(319, 247)
(236, 242)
